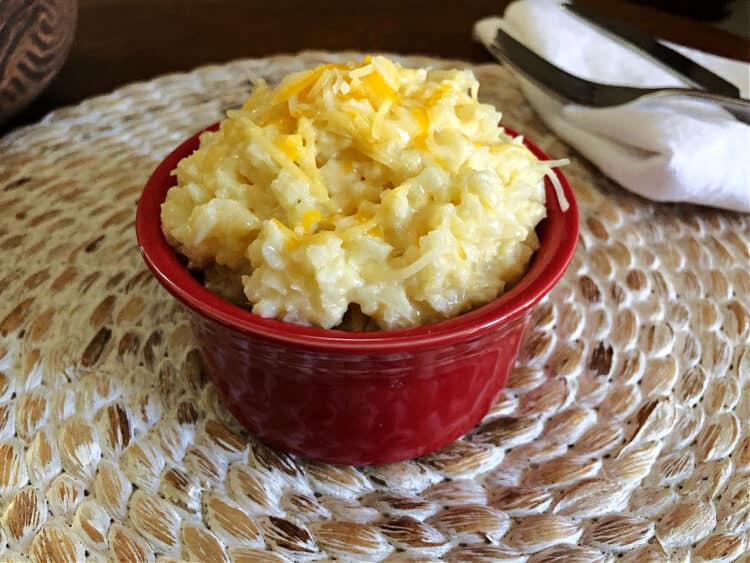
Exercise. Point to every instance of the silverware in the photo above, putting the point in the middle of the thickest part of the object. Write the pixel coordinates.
(572, 89)
(665, 56)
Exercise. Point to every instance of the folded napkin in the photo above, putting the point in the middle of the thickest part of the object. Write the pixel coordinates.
(663, 149)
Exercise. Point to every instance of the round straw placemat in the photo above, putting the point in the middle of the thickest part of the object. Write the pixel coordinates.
(623, 433)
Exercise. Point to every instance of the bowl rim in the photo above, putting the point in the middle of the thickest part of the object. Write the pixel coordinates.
(558, 234)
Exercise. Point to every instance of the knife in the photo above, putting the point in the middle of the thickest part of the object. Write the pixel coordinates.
(673, 61)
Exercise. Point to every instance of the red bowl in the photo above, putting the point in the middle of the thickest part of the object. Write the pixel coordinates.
(357, 398)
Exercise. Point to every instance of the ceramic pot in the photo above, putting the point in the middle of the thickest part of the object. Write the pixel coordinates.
(35, 38)
(357, 398)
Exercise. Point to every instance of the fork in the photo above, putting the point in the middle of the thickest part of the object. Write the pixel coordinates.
(571, 89)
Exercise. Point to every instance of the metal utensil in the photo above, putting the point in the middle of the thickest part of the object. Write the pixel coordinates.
(666, 57)
(572, 89)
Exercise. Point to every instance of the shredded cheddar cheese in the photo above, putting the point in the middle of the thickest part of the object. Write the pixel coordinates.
(360, 184)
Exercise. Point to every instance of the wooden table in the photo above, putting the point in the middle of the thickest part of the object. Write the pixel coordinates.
(120, 41)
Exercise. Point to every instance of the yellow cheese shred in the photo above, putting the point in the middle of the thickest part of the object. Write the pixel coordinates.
(362, 184)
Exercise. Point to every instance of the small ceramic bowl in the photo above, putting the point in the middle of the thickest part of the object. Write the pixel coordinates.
(357, 398)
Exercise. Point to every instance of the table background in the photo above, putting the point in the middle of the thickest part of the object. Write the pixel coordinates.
(121, 41)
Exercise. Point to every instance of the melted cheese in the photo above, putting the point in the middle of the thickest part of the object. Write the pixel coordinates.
(361, 184)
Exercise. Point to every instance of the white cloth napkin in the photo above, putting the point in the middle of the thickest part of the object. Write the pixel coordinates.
(663, 149)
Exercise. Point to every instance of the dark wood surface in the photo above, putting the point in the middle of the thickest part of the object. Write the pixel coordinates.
(120, 41)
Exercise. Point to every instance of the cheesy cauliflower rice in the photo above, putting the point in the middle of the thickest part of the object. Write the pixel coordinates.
(362, 186)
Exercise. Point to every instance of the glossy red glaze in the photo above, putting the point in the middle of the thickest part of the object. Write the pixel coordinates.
(357, 398)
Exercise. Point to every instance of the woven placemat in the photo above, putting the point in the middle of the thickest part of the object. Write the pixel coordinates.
(624, 430)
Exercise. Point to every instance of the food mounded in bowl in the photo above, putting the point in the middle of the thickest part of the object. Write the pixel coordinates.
(359, 187)
(435, 152)
(357, 398)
